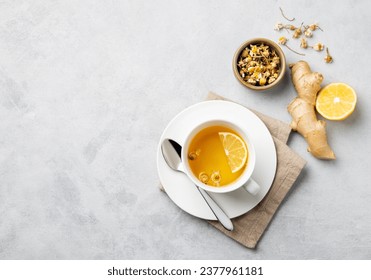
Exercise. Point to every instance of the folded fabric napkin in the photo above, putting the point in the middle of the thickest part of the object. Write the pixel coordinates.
(249, 228)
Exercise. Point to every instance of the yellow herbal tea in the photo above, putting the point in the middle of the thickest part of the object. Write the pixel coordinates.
(217, 155)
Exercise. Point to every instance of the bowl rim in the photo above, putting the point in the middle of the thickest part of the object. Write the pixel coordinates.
(273, 45)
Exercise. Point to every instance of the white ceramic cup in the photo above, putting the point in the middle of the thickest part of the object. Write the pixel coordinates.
(244, 181)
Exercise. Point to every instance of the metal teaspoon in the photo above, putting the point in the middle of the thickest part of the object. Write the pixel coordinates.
(171, 151)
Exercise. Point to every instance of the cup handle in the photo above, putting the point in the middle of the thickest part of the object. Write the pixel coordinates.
(251, 187)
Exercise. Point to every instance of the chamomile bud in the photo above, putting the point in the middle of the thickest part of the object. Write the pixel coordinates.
(278, 26)
(308, 33)
(318, 47)
(282, 40)
(303, 43)
(297, 33)
(328, 57)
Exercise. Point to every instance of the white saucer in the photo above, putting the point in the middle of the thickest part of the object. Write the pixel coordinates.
(184, 193)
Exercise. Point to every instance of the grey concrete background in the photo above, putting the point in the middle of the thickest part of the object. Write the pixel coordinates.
(87, 88)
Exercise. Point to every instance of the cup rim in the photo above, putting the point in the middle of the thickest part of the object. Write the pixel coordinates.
(242, 179)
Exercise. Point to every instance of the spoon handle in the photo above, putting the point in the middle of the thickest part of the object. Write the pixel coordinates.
(218, 212)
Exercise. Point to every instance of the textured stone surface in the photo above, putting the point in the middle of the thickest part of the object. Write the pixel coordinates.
(87, 87)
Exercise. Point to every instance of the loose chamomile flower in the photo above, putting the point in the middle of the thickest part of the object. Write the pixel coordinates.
(297, 33)
(278, 26)
(328, 57)
(303, 32)
(282, 40)
(314, 26)
(308, 33)
(303, 43)
(318, 47)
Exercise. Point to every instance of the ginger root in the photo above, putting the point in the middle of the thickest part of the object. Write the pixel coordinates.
(307, 84)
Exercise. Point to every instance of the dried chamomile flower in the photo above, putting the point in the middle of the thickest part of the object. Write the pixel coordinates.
(282, 40)
(194, 154)
(318, 47)
(297, 33)
(308, 33)
(314, 26)
(203, 177)
(303, 32)
(265, 53)
(271, 80)
(216, 177)
(275, 61)
(262, 81)
(245, 53)
(278, 26)
(303, 43)
(328, 57)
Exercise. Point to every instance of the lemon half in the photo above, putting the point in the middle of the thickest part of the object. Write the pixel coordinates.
(336, 101)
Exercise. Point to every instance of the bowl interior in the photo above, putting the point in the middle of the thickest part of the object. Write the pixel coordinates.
(273, 46)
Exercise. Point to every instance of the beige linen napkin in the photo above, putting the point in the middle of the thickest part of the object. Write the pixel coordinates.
(249, 227)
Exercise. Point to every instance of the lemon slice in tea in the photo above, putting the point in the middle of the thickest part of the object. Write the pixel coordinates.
(235, 150)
